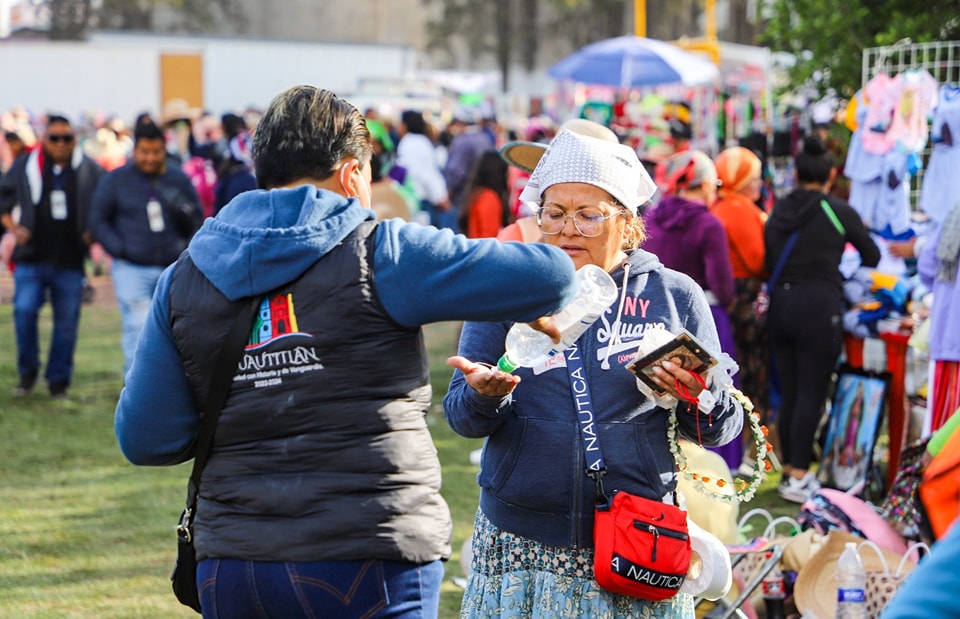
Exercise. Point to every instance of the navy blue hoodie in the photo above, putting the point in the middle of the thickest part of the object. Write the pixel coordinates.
(532, 472)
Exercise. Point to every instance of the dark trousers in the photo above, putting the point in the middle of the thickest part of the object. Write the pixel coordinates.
(805, 325)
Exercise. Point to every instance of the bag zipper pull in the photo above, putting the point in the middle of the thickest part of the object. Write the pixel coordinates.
(656, 535)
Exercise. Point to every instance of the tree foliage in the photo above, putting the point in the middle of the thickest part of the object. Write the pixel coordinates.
(511, 31)
(828, 38)
(72, 19)
(585, 21)
(69, 19)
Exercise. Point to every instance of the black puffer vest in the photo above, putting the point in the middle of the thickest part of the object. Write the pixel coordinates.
(322, 451)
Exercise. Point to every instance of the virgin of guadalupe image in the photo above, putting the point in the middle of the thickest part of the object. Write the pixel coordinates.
(848, 465)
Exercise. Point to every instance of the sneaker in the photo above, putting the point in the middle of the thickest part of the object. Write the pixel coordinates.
(58, 391)
(25, 386)
(797, 490)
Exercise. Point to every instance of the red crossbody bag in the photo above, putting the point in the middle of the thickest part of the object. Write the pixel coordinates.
(641, 546)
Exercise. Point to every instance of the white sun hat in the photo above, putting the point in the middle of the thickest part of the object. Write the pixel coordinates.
(575, 158)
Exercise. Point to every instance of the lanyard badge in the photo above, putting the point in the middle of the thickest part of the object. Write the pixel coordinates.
(58, 204)
(155, 215)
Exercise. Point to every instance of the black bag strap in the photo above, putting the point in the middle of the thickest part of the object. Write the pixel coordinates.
(220, 382)
(783, 260)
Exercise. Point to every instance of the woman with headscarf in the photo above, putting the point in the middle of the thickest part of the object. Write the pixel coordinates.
(739, 171)
(533, 535)
(686, 237)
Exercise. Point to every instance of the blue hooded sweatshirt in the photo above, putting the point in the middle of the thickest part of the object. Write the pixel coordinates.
(265, 239)
(532, 476)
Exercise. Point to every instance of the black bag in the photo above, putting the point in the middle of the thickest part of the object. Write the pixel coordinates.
(182, 212)
(184, 576)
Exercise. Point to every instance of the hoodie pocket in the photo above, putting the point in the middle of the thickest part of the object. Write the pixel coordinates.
(530, 465)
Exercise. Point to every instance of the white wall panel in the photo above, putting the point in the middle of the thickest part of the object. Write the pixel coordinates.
(238, 74)
(75, 78)
(119, 75)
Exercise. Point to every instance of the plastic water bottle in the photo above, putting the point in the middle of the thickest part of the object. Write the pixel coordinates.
(774, 592)
(526, 347)
(851, 584)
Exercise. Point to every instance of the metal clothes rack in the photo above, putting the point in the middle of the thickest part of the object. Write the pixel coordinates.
(940, 58)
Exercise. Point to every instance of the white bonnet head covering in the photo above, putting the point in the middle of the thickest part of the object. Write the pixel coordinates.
(575, 158)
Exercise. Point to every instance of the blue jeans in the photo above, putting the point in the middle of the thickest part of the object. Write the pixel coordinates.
(134, 285)
(235, 589)
(32, 282)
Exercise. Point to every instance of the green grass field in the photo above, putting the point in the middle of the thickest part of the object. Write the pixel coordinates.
(85, 534)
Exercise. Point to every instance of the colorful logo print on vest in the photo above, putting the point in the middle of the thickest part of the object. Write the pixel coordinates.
(276, 319)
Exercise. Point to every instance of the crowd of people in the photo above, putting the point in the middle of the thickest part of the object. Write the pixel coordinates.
(316, 209)
(131, 198)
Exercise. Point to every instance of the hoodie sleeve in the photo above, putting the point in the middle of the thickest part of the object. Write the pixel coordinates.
(469, 412)
(858, 234)
(725, 422)
(426, 275)
(156, 421)
(719, 271)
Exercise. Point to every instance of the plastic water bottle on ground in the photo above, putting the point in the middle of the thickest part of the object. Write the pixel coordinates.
(526, 347)
(851, 584)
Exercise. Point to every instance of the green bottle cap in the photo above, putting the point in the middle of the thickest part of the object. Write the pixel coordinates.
(505, 365)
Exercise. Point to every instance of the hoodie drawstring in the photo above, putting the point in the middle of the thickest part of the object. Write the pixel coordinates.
(615, 325)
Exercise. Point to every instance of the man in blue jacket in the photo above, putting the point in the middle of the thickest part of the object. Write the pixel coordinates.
(143, 215)
(321, 494)
(44, 202)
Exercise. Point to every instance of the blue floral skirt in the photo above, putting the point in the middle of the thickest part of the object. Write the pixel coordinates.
(513, 576)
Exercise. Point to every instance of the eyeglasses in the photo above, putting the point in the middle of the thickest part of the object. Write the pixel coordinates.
(65, 138)
(588, 221)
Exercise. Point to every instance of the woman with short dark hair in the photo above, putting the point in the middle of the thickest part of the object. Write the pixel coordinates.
(805, 319)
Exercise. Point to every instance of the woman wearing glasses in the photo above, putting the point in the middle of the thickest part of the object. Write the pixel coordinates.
(533, 535)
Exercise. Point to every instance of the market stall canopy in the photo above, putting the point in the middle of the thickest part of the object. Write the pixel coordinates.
(631, 62)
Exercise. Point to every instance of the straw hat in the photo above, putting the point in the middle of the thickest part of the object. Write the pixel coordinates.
(178, 109)
(798, 549)
(815, 591)
(523, 155)
(104, 145)
(25, 133)
(526, 155)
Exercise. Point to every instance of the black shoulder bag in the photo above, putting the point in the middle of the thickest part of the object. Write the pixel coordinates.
(180, 210)
(184, 575)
